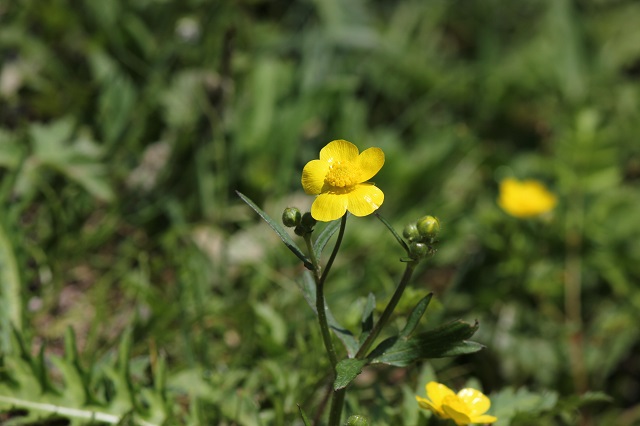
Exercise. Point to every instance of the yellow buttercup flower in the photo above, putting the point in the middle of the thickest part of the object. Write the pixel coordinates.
(525, 198)
(466, 407)
(339, 179)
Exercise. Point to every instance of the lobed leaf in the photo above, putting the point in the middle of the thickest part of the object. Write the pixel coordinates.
(445, 341)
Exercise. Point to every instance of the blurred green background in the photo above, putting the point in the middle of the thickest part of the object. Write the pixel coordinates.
(127, 125)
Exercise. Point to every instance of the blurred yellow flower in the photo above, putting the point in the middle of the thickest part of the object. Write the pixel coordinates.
(466, 407)
(339, 178)
(525, 198)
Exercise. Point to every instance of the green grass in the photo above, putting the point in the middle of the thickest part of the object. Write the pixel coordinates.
(127, 126)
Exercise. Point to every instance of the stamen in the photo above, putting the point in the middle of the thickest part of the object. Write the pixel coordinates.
(342, 174)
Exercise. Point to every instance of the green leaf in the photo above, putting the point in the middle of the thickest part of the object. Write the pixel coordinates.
(416, 314)
(276, 325)
(10, 151)
(574, 402)
(305, 419)
(445, 341)
(284, 236)
(74, 389)
(347, 370)
(10, 290)
(325, 236)
(393, 231)
(367, 316)
(308, 287)
(78, 159)
(509, 403)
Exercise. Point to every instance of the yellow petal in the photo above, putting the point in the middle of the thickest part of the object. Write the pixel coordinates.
(370, 161)
(329, 206)
(477, 402)
(427, 405)
(456, 409)
(484, 419)
(339, 150)
(437, 392)
(364, 199)
(313, 176)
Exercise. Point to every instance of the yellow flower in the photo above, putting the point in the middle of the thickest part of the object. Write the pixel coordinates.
(339, 178)
(466, 407)
(525, 198)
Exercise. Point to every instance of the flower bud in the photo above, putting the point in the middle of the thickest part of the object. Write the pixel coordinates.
(357, 420)
(410, 232)
(428, 227)
(308, 221)
(291, 217)
(419, 250)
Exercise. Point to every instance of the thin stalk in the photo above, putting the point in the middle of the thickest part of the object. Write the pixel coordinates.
(320, 304)
(320, 300)
(343, 225)
(384, 318)
(337, 402)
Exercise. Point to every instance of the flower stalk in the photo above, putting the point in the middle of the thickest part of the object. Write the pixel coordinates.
(388, 310)
(337, 400)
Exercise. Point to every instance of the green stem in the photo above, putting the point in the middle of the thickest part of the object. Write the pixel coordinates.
(320, 305)
(337, 402)
(384, 318)
(343, 225)
(320, 301)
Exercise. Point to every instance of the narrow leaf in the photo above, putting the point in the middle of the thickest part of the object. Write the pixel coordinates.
(70, 346)
(10, 290)
(305, 419)
(284, 235)
(325, 236)
(308, 287)
(74, 389)
(446, 341)
(416, 314)
(367, 316)
(393, 231)
(347, 370)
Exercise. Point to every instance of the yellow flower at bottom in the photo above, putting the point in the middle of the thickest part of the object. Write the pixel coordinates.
(339, 179)
(525, 198)
(466, 407)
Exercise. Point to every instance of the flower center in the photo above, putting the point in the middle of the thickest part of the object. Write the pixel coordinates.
(342, 174)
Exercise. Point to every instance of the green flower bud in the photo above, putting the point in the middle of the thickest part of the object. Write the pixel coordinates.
(410, 232)
(308, 221)
(291, 217)
(357, 420)
(428, 227)
(419, 250)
